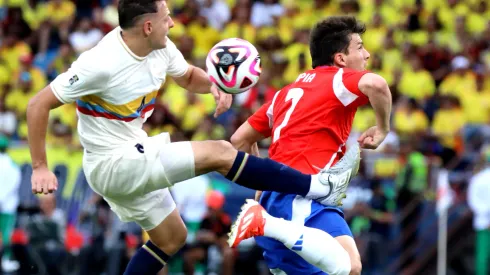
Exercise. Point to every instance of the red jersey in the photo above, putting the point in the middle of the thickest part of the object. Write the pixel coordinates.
(311, 119)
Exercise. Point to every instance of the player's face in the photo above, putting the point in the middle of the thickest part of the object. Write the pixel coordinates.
(161, 24)
(358, 55)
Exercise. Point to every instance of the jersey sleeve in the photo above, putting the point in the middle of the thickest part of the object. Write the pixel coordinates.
(346, 87)
(351, 82)
(86, 76)
(260, 120)
(177, 65)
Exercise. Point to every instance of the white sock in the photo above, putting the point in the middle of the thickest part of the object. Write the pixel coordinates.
(315, 246)
(317, 189)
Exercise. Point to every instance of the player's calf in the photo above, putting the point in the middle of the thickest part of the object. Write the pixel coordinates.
(165, 240)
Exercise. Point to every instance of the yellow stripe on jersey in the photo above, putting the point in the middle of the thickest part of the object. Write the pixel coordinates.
(129, 109)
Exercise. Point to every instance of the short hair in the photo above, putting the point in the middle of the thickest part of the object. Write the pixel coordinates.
(331, 36)
(130, 10)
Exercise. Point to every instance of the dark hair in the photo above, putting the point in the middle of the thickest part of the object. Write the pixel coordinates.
(331, 36)
(130, 10)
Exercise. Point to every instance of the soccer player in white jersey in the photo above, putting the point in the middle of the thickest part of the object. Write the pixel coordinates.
(115, 86)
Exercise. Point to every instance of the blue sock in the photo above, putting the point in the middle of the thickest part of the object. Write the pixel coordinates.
(268, 175)
(148, 260)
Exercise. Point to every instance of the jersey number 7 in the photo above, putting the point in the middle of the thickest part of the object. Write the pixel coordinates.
(294, 95)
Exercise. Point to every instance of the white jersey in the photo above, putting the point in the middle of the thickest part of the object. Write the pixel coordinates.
(115, 90)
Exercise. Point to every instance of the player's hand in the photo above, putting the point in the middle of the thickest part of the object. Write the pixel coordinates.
(372, 138)
(223, 100)
(43, 181)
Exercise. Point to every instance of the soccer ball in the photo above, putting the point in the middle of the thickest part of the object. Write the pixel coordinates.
(234, 65)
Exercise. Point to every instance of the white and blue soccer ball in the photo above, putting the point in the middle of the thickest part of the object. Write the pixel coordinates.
(234, 65)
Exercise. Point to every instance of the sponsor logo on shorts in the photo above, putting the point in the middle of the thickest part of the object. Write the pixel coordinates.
(140, 148)
(73, 79)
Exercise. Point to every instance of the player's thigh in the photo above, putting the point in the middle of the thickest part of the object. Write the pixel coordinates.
(180, 161)
(332, 222)
(169, 163)
(348, 243)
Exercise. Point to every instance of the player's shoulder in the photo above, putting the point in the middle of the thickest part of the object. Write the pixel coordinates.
(102, 57)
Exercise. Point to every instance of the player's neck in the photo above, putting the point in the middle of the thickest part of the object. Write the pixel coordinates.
(135, 44)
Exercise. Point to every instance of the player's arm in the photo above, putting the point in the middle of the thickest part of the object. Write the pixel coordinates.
(194, 79)
(83, 78)
(256, 128)
(37, 124)
(376, 89)
(245, 139)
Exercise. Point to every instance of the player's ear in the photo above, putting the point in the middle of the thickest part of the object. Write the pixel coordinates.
(339, 59)
(147, 27)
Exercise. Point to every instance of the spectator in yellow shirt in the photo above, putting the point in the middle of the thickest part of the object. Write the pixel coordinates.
(38, 78)
(448, 123)
(205, 37)
(376, 66)
(476, 104)
(375, 34)
(298, 55)
(240, 26)
(460, 80)
(435, 59)
(12, 49)
(4, 78)
(59, 11)
(409, 119)
(62, 62)
(364, 118)
(417, 83)
(18, 98)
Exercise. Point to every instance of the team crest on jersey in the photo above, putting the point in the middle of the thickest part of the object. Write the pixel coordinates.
(73, 79)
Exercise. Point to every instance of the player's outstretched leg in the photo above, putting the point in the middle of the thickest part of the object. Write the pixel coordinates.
(328, 187)
(315, 246)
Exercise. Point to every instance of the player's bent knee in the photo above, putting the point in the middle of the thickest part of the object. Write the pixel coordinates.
(170, 235)
(225, 149)
(226, 156)
(216, 155)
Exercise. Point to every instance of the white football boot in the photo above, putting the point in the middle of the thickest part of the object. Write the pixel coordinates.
(339, 176)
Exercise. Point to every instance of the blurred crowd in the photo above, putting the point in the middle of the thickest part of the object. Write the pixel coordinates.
(435, 55)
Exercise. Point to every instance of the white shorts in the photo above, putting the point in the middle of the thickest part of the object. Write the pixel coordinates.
(134, 179)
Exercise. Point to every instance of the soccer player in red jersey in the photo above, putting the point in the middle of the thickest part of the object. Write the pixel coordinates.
(309, 122)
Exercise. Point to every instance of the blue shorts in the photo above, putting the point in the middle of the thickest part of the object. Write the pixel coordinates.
(303, 211)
